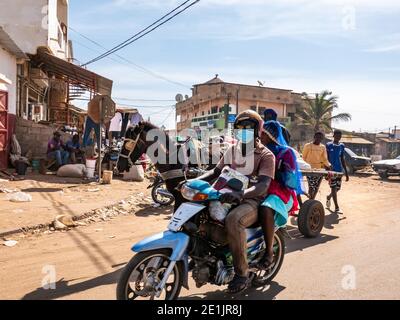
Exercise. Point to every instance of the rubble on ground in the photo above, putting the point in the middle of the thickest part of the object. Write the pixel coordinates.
(66, 222)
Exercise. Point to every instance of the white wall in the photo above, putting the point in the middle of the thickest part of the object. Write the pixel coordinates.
(34, 23)
(8, 68)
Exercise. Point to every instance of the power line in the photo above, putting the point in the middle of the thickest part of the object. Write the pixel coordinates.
(142, 33)
(173, 109)
(126, 42)
(143, 100)
(136, 66)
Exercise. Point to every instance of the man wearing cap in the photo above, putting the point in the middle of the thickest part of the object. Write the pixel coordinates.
(56, 150)
(271, 115)
(251, 158)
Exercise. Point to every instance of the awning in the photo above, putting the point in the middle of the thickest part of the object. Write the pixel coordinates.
(72, 73)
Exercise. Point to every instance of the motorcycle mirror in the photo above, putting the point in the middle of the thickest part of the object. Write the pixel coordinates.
(235, 184)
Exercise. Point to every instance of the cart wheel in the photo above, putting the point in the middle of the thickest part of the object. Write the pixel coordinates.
(311, 218)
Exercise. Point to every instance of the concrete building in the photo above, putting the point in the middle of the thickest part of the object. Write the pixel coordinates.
(10, 56)
(206, 107)
(45, 84)
(37, 23)
(388, 148)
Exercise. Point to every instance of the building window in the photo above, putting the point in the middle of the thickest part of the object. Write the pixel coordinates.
(202, 113)
(254, 108)
(292, 116)
(261, 110)
(214, 109)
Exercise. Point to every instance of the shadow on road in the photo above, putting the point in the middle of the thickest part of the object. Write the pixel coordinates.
(299, 242)
(63, 288)
(147, 211)
(388, 180)
(332, 219)
(268, 292)
(46, 190)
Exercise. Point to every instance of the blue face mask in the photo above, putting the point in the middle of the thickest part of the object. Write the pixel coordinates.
(244, 135)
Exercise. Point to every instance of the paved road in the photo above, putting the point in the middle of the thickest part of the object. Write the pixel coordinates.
(363, 242)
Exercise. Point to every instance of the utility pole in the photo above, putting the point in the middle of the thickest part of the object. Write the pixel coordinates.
(226, 110)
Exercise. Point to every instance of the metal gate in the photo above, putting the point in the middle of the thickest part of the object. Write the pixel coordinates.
(3, 129)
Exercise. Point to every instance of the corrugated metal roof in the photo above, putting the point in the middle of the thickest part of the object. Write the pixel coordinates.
(76, 74)
(7, 43)
(352, 140)
(388, 140)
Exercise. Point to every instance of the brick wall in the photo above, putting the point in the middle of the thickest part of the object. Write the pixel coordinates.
(34, 137)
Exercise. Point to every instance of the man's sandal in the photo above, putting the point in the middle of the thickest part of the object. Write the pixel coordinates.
(238, 284)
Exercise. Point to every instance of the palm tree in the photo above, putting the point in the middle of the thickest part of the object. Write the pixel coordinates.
(318, 111)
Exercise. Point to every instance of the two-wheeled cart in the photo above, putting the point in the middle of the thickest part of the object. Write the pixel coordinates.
(311, 216)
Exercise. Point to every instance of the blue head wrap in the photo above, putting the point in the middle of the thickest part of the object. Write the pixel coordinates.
(274, 131)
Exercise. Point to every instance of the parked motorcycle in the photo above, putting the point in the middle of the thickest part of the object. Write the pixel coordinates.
(193, 242)
(159, 192)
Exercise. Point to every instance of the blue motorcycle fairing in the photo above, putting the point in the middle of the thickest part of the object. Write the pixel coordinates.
(177, 241)
(198, 185)
(204, 187)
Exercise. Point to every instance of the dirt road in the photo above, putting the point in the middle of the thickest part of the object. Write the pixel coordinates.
(356, 257)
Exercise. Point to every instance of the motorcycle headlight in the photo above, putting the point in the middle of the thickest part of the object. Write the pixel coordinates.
(188, 193)
(193, 194)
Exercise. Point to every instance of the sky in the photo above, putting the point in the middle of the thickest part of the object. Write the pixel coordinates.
(351, 48)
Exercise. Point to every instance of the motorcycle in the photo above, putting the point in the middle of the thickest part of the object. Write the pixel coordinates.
(193, 242)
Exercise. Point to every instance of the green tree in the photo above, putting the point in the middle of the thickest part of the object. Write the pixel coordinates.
(318, 111)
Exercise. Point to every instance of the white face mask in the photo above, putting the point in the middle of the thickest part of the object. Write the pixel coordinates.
(244, 135)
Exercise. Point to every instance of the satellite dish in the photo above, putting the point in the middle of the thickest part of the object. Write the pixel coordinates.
(186, 97)
(261, 83)
(179, 98)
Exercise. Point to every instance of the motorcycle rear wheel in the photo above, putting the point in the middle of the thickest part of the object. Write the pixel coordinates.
(263, 278)
(157, 198)
(135, 270)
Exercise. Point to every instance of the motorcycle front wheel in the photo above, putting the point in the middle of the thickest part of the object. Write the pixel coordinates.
(144, 272)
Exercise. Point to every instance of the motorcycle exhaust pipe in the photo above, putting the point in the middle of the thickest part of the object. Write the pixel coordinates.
(165, 193)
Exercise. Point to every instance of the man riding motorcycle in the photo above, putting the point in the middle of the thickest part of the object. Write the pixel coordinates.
(251, 158)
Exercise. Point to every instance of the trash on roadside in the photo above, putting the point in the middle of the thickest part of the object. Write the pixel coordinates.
(72, 171)
(10, 243)
(98, 230)
(19, 197)
(6, 190)
(58, 225)
(111, 237)
(93, 190)
(63, 222)
(18, 211)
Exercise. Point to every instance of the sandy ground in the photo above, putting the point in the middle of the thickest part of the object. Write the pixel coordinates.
(52, 196)
(357, 255)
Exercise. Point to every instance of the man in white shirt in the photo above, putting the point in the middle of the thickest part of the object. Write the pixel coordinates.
(115, 126)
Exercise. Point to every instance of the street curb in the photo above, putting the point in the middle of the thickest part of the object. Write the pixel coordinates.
(43, 227)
